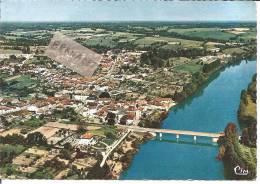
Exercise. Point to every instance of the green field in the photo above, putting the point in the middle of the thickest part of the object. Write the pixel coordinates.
(106, 41)
(191, 30)
(44, 172)
(218, 35)
(190, 67)
(16, 149)
(21, 85)
(171, 42)
(205, 33)
(110, 40)
(33, 123)
(248, 36)
(215, 33)
(8, 152)
(24, 81)
(102, 132)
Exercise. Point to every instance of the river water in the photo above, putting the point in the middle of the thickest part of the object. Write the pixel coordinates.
(209, 110)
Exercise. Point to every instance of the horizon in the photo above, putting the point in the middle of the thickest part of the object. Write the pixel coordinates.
(115, 11)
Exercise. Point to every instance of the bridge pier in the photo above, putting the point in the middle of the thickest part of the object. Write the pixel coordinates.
(194, 138)
(177, 136)
(215, 139)
(160, 134)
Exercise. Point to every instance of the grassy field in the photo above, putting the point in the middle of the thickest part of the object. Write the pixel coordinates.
(44, 173)
(171, 42)
(205, 33)
(32, 123)
(218, 35)
(215, 33)
(21, 82)
(7, 153)
(106, 41)
(190, 67)
(103, 131)
(11, 148)
(111, 40)
(22, 85)
(191, 30)
(248, 36)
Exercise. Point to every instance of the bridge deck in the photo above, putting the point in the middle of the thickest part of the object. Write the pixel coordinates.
(168, 131)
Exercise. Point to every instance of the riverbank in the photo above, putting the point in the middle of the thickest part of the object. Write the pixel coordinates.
(241, 152)
(201, 77)
(122, 157)
(235, 154)
(247, 108)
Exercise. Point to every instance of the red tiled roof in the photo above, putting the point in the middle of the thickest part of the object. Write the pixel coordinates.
(87, 136)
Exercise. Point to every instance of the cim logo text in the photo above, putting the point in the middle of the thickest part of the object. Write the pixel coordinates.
(240, 171)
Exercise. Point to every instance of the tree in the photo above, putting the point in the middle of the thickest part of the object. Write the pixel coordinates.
(12, 139)
(9, 171)
(81, 128)
(36, 138)
(66, 151)
(110, 118)
(12, 57)
(123, 120)
(68, 146)
(2, 83)
(97, 172)
(41, 117)
(104, 95)
(249, 135)
(231, 129)
(4, 121)
(110, 135)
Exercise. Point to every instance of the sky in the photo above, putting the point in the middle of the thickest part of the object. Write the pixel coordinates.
(126, 10)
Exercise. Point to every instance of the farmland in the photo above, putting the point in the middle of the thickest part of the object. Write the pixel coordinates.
(216, 33)
(148, 41)
(205, 33)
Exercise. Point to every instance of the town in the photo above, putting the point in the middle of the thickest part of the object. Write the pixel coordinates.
(57, 124)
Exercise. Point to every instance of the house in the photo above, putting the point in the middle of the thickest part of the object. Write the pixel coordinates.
(87, 139)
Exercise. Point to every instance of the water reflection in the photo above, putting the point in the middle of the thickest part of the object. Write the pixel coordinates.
(191, 142)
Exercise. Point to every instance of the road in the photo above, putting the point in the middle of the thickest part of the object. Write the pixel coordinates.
(112, 147)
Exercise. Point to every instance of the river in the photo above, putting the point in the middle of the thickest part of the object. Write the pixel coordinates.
(209, 110)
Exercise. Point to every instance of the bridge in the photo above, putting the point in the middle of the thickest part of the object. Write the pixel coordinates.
(110, 149)
(195, 134)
